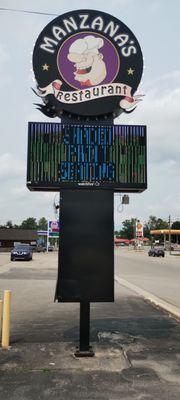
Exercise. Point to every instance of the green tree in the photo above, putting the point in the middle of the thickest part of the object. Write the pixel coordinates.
(9, 224)
(175, 238)
(42, 224)
(117, 233)
(29, 223)
(154, 223)
(127, 231)
(175, 225)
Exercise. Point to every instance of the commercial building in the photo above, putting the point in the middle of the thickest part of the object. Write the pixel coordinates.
(8, 237)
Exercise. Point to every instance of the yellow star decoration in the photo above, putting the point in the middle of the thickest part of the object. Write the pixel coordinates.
(45, 67)
(130, 71)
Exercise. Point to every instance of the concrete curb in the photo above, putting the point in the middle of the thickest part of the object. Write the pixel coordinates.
(173, 310)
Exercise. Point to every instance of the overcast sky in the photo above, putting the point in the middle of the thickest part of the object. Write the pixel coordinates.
(155, 23)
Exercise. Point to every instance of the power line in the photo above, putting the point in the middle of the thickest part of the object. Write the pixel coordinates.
(26, 11)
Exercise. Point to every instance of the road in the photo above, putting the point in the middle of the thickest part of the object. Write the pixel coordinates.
(136, 344)
(159, 276)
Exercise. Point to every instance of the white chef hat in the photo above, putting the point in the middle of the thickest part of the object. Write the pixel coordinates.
(89, 44)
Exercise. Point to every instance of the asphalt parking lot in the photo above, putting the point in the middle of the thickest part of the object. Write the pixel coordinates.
(137, 346)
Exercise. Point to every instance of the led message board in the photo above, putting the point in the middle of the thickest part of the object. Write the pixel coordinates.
(77, 156)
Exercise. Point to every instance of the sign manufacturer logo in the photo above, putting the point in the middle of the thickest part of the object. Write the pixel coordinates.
(87, 63)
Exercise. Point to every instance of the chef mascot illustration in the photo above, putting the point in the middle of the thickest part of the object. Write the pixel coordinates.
(88, 61)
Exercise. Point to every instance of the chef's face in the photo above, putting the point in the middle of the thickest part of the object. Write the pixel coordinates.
(89, 67)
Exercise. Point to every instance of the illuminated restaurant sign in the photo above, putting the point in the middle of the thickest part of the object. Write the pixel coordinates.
(87, 63)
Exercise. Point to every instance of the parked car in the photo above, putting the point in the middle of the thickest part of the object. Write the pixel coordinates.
(155, 252)
(38, 248)
(175, 247)
(50, 247)
(22, 251)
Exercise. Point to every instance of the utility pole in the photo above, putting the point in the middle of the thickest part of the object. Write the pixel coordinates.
(169, 234)
(135, 238)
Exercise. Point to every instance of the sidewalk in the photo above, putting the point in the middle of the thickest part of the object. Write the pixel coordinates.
(137, 354)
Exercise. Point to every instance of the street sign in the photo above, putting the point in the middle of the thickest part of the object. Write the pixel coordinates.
(87, 65)
(139, 229)
(53, 229)
(80, 156)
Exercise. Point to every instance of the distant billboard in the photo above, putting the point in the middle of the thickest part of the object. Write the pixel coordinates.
(53, 229)
(139, 229)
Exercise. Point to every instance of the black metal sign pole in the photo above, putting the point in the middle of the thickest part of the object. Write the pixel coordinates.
(84, 326)
(84, 349)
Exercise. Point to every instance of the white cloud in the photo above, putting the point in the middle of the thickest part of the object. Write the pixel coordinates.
(159, 109)
(160, 112)
(11, 166)
(173, 76)
(18, 203)
(6, 78)
(19, 192)
(154, 5)
(4, 55)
